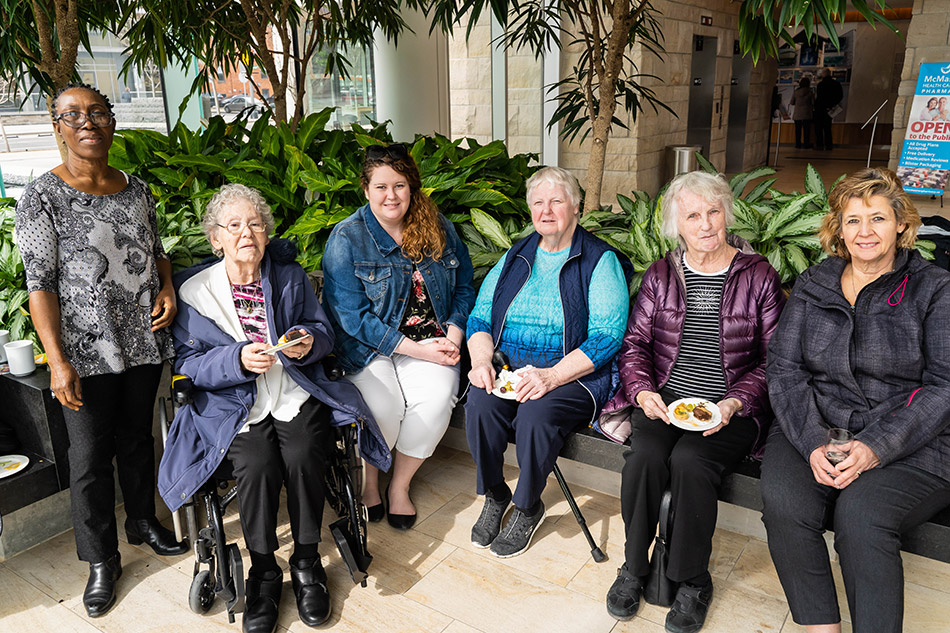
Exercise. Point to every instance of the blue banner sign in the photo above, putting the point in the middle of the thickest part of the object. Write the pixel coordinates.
(925, 158)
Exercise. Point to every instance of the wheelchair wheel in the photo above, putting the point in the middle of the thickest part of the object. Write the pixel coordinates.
(201, 595)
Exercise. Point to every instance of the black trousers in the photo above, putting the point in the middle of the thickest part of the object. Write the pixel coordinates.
(540, 427)
(803, 133)
(114, 422)
(822, 130)
(663, 456)
(869, 516)
(271, 454)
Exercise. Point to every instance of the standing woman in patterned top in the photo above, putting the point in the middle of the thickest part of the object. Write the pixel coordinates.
(699, 329)
(101, 297)
(398, 289)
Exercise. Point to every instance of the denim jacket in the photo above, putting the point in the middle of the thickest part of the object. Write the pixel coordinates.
(367, 281)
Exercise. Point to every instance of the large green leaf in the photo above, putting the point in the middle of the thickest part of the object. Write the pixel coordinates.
(787, 214)
(739, 181)
(490, 228)
(813, 182)
(205, 163)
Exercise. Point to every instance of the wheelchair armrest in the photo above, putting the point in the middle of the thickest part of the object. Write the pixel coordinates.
(182, 388)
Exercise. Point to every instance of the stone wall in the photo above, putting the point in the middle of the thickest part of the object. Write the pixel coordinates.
(635, 156)
(928, 40)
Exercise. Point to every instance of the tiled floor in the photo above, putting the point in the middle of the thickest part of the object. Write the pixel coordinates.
(432, 579)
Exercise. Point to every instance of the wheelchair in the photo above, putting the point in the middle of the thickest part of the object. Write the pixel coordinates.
(219, 570)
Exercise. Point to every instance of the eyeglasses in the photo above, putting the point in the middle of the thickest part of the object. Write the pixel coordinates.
(396, 151)
(237, 227)
(99, 118)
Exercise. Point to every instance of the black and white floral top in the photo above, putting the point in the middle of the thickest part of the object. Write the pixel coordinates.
(98, 254)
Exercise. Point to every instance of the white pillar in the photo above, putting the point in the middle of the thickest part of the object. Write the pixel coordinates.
(176, 84)
(412, 80)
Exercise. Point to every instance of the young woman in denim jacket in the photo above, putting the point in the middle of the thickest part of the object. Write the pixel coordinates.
(398, 290)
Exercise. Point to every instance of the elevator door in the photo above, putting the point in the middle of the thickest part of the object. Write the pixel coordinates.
(738, 111)
(702, 83)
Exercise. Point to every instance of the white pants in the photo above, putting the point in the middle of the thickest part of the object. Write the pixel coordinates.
(411, 399)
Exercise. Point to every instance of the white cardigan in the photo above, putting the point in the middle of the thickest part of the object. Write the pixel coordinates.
(209, 292)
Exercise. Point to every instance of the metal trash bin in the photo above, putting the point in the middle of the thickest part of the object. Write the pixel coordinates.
(681, 159)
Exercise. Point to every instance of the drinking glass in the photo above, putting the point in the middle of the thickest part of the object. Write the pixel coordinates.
(839, 445)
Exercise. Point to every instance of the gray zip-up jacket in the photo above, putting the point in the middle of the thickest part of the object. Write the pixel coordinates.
(881, 370)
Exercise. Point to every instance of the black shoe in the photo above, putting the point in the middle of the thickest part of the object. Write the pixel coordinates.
(399, 521)
(262, 598)
(688, 613)
(623, 597)
(310, 588)
(158, 537)
(99, 595)
(376, 513)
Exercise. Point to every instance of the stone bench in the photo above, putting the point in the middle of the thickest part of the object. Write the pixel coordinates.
(740, 488)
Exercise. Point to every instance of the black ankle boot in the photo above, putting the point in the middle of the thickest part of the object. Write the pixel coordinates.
(99, 595)
(310, 588)
(159, 538)
(262, 599)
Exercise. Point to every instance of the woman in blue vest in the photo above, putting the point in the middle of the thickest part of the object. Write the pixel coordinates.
(556, 305)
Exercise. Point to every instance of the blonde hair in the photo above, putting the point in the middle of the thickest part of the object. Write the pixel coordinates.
(864, 184)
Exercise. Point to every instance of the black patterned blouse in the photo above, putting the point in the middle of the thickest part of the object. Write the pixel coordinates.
(98, 254)
(419, 322)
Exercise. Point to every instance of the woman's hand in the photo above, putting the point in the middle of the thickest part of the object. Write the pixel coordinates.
(535, 383)
(165, 308)
(653, 406)
(483, 377)
(860, 459)
(441, 350)
(728, 408)
(65, 385)
(823, 470)
(456, 335)
(300, 349)
(253, 361)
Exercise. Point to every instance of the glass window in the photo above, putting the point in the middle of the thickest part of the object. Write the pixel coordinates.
(354, 97)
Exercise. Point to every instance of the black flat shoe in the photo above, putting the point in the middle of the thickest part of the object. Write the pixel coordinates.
(262, 598)
(309, 581)
(99, 595)
(376, 513)
(158, 537)
(399, 521)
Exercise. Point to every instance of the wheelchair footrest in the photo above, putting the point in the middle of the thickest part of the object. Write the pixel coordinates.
(356, 558)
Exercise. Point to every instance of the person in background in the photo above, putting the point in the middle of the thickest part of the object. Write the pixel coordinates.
(101, 299)
(828, 95)
(555, 305)
(862, 345)
(803, 108)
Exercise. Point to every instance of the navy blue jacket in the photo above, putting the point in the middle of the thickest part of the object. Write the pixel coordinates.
(574, 282)
(224, 392)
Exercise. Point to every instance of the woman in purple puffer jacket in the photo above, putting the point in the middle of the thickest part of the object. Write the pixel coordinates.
(699, 329)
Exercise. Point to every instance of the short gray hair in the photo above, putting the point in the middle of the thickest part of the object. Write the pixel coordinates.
(224, 198)
(712, 188)
(555, 176)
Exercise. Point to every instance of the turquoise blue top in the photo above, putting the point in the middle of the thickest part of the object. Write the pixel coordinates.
(534, 327)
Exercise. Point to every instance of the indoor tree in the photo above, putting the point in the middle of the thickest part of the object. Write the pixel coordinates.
(279, 36)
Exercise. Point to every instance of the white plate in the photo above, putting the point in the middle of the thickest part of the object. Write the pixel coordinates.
(277, 348)
(12, 464)
(691, 423)
(506, 381)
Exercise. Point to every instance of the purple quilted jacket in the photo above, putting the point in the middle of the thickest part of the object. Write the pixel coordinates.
(752, 300)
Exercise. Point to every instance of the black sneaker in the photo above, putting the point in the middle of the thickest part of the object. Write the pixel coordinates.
(517, 534)
(623, 597)
(489, 522)
(688, 613)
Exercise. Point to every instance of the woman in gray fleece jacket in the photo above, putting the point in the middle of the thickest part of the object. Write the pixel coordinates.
(863, 345)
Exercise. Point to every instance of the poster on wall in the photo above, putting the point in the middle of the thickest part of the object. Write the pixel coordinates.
(925, 157)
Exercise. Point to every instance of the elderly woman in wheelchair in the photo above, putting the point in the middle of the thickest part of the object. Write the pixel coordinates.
(251, 336)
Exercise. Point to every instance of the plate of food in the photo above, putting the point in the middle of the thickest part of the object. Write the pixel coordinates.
(506, 381)
(12, 464)
(694, 414)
